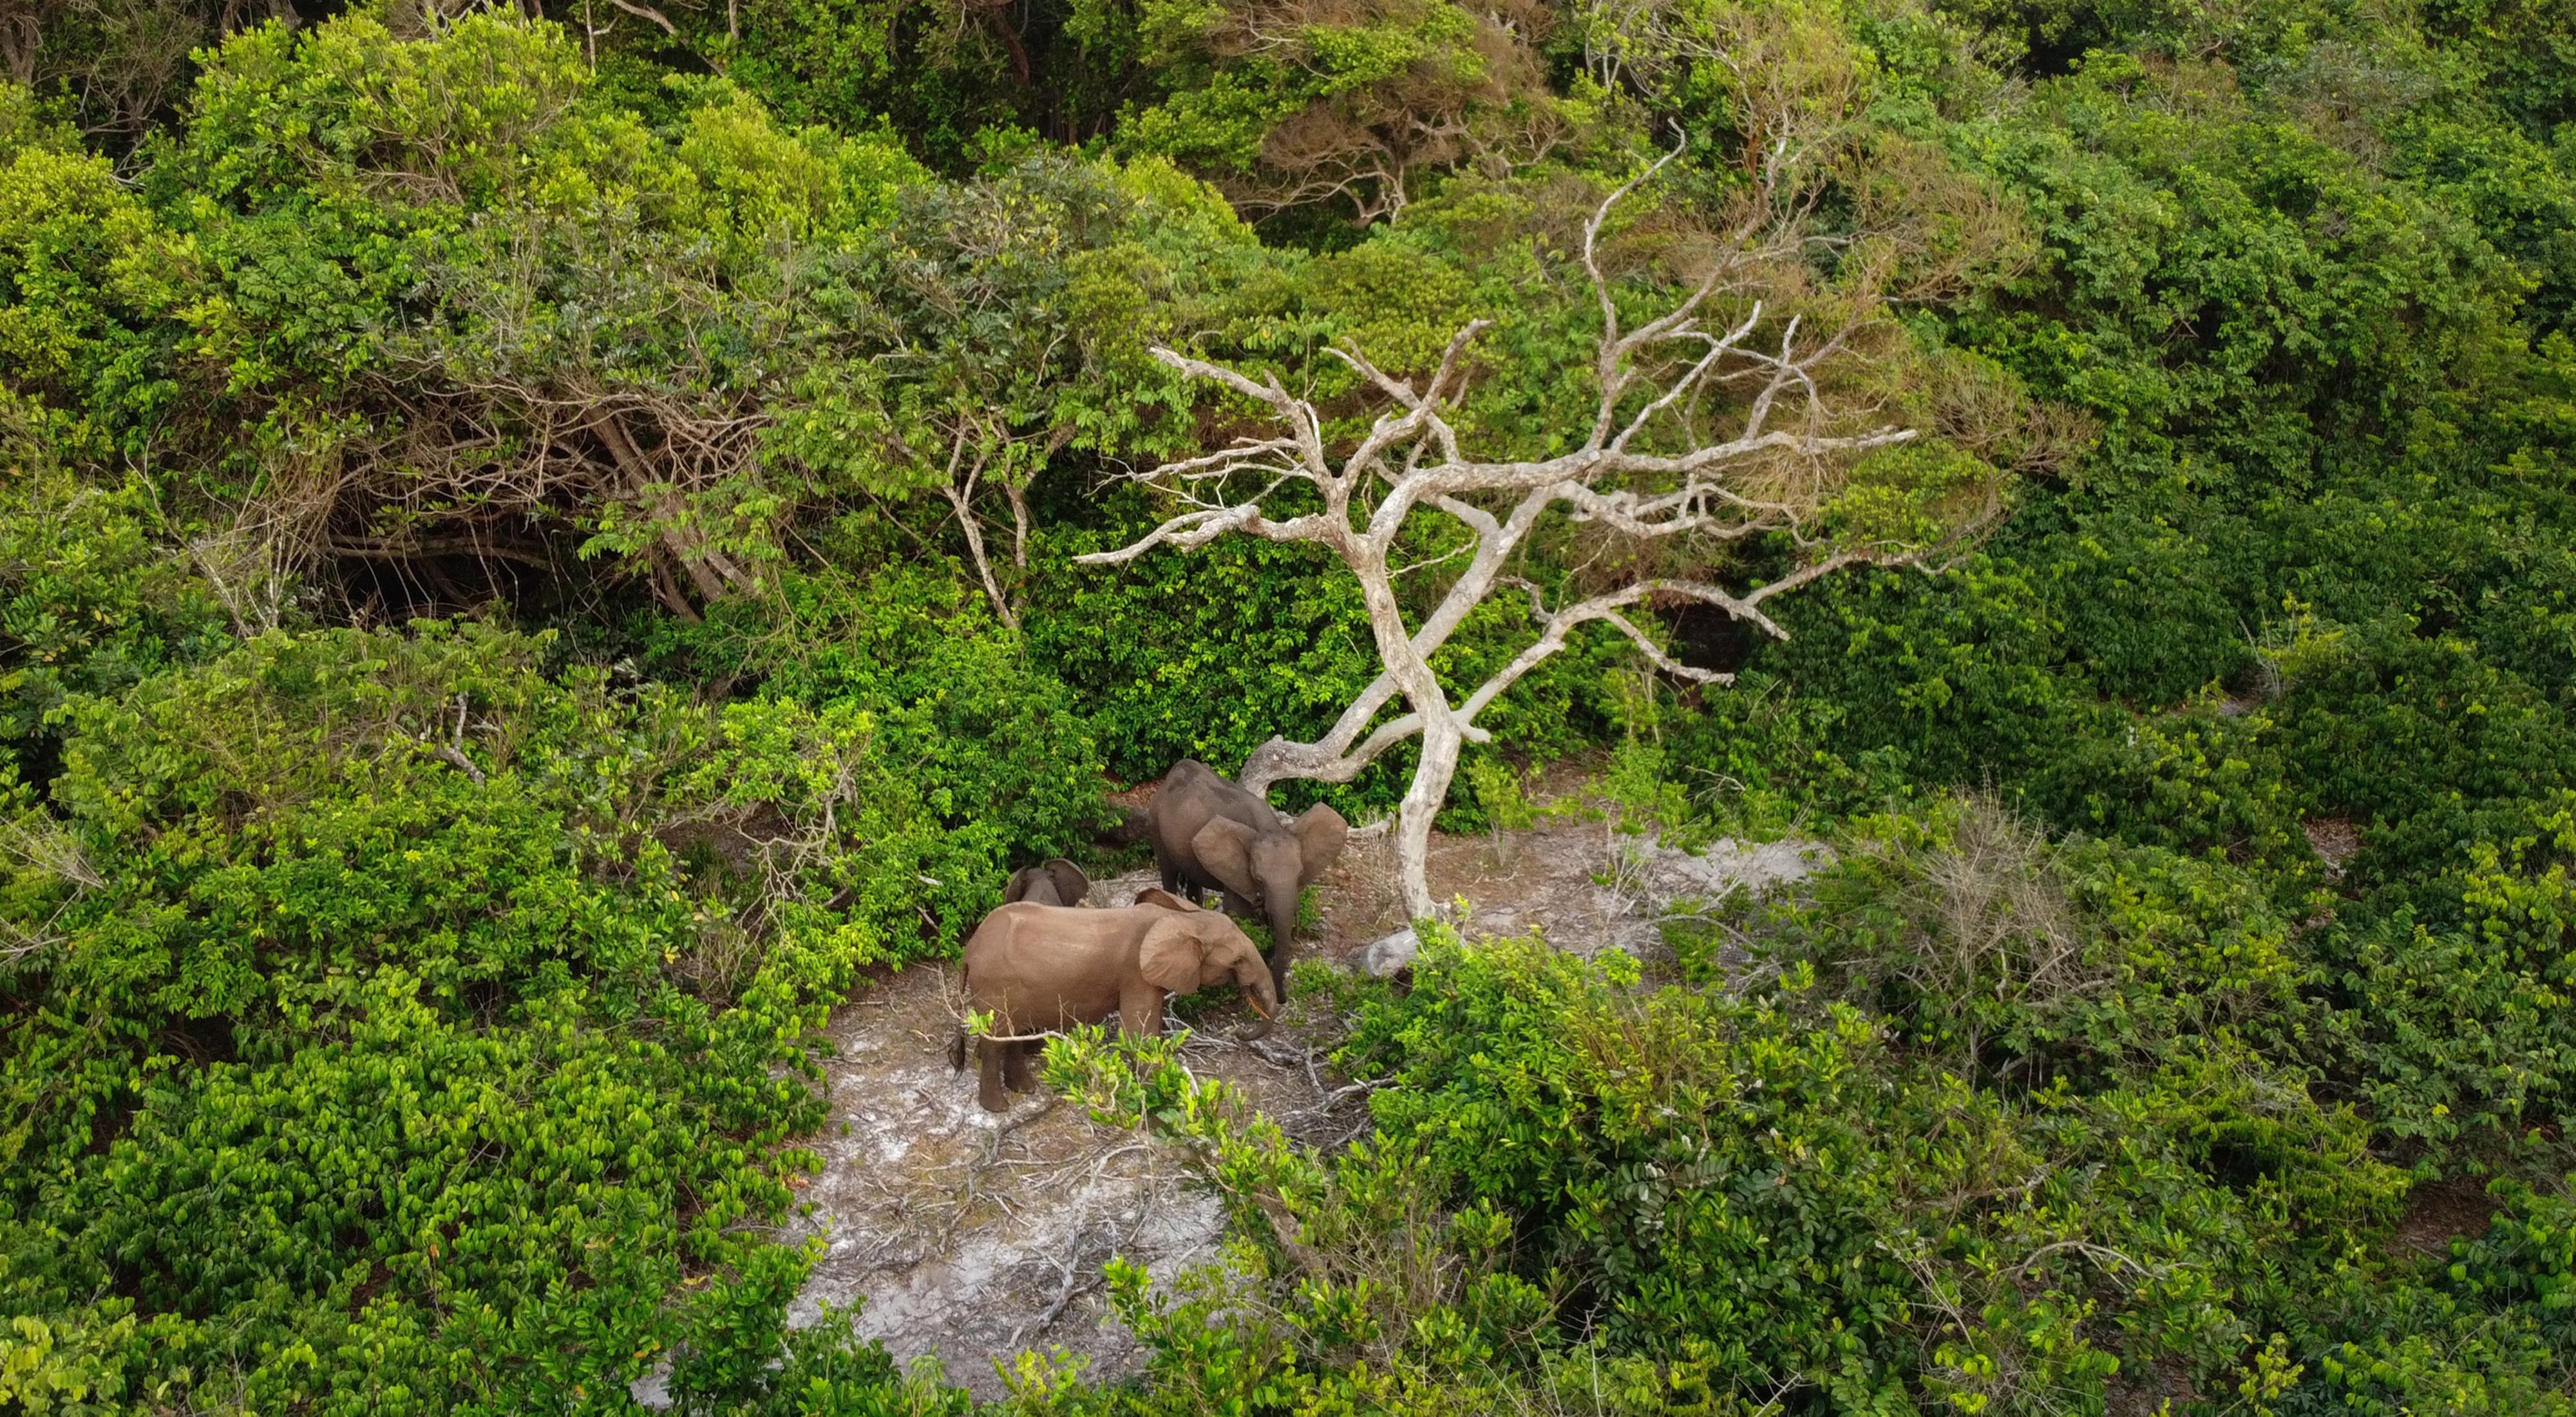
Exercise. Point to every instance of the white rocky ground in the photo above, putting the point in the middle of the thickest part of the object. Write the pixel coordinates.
(971, 1236)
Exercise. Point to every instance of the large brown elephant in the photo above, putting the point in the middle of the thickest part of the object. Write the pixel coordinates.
(1039, 968)
(1058, 882)
(1211, 834)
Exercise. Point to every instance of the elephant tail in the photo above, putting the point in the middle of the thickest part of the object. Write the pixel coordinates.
(957, 1051)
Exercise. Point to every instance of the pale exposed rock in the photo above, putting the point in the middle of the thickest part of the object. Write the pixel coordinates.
(971, 1236)
(1384, 957)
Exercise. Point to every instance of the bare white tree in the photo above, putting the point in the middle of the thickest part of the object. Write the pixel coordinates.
(1775, 473)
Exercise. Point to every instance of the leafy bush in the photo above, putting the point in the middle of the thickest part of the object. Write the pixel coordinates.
(94, 599)
(1715, 1190)
(998, 750)
(2453, 1025)
(383, 1045)
(421, 1019)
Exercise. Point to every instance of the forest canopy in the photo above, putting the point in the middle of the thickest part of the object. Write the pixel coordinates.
(546, 547)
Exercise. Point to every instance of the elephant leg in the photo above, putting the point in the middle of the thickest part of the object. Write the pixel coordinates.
(1240, 908)
(1140, 1010)
(988, 1081)
(1016, 1073)
(1189, 887)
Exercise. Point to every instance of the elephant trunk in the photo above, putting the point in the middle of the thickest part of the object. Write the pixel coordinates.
(1283, 924)
(1261, 996)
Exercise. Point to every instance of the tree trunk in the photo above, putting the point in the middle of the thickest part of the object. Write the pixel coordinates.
(711, 587)
(1441, 741)
(679, 547)
(665, 589)
(1443, 734)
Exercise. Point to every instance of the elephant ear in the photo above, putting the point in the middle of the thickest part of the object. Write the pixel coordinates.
(1169, 956)
(1071, 886)
(1157, 896)
(1321, 833)
(1021, 881)
(1224, 849)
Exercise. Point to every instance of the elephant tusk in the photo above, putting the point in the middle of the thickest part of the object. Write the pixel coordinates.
(1257, 1010)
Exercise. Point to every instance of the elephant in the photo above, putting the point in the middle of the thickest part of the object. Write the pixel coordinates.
(1058, 882)
(1037, 968)
(1211, 834)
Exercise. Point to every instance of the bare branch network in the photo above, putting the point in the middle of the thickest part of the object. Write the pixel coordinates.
(1650, 378)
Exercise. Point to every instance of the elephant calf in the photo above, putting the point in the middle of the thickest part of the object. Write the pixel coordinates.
(1038, 968)
(1058, 882)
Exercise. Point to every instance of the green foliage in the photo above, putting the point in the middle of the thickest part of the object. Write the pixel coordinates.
(997, 751)
(1721, 1190)
(1754, 760)
(1350, 1288)
(1349, 109)
(954, 90)
(27, 122)
(77, 289)
(421, 1020)
(738, 1363)
(2524, 1258)
(2000, 1131)
(2453, 1024)
(2010, 956)
(399, 261)
(1206, 655)
(94, 598)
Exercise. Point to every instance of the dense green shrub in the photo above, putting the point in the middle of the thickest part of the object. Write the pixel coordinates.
(998, 749)
(406, 1021)
(1207, 655)
(94, 598)
(2033, 1181)
(1746, 1196)
(420, 1020)
(2453, 1023)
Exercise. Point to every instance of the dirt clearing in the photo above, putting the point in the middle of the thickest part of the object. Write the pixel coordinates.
(971, 1235)
(1573, 879)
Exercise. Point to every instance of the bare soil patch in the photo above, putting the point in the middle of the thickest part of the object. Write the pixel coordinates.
(2335, 840)
(1574, 879)
(971, 1236)
(2443, 1211)
(2153, 1390)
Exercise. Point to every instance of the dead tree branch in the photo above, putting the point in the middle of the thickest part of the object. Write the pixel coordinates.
(1642, 475)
